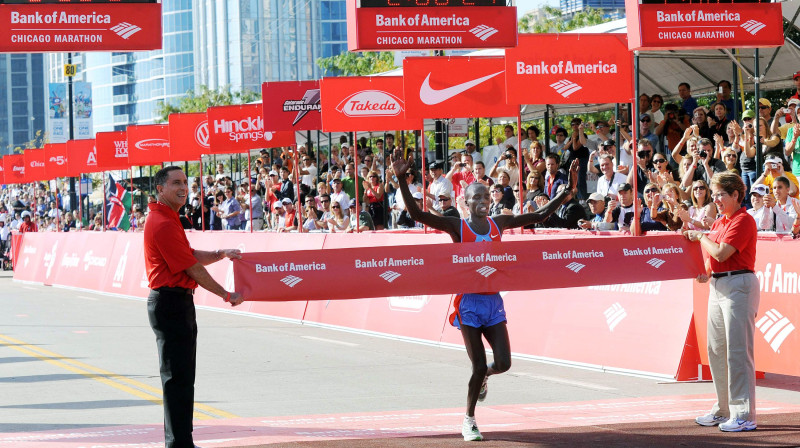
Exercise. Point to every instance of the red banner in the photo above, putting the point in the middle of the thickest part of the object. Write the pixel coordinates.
(382, 29)
(191, 130)
(364, 103)
(75, 27)
(81, 157)
(14, 169)
(234, 129)
(670, 26)
(406, 270)
(112, 150)
(292, 105)
(148, 144)
(55, 155)
(569, 69)
(456, 87)
(34, 165)
(2, 173)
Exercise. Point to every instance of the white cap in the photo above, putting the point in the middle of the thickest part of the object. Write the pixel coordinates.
(417, 195)
(469, 142)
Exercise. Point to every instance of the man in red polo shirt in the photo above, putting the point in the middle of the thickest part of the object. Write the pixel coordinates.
(174, 270)
(732, 306)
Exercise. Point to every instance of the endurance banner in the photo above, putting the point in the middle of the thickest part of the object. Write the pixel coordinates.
(14, 169)
(291, 105)
(470, 267)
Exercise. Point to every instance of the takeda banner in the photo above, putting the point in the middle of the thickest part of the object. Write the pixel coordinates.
(669, 26)
(292, 105)
(34, 165)
(234, 129)
(381, 29)
(148, 144)
(55, 156)
(112, 150)
(190, 134)
(569, 69)
(406, 270)
(456, 87)
(76, 27)
(82, 157)
(364, 103)
(14, 169)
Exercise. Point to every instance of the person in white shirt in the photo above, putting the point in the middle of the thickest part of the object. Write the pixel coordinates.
(511, 140)
(338, 195)
(762, 214)
(470, 148)
(786, 208)
(608, 183)
(308, 171)
(533, 136)
(440, 186)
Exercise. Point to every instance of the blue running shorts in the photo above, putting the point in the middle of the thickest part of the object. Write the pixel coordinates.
(478, 310)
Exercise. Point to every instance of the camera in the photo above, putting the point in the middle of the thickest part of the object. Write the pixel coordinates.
(461, 165)
(703, 154)
(749, 126)
(509, 156)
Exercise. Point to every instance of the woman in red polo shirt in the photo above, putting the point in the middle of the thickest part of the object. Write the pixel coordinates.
(732, 306)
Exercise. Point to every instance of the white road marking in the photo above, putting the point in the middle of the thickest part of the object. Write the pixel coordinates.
(553, 379)
(30, 288)
(87, 298)
(332, 341)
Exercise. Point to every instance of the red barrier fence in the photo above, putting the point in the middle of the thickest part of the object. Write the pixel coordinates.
(638, 327)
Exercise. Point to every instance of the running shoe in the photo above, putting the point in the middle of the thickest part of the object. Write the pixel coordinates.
(484, 388)
(469, 429)
(736, 425)
(710, 420)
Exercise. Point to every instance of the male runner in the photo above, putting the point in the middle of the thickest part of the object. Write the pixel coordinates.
(480, 314)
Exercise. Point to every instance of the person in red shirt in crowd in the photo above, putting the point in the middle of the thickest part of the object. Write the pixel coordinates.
(174, 270)
(732, 306)
(480, 315)
(27, 223)
(796, 79)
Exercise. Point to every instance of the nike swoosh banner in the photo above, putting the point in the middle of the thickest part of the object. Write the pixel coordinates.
(148, 144)
(456, 87)
(364, 103)
(466, 267)
(564, 72)
(237, 129)
(291, 105)
(112, 150)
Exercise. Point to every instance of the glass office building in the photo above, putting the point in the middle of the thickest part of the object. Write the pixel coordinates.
(127, 87)
(23, 99)
(614, 9)
(242, 43)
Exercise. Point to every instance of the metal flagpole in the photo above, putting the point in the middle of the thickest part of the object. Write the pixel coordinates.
(355, 182)
(80, 201)
(130, 215)
(202, 198)
(58, 209)
(423, 175)
(104, 202)
(519, 159)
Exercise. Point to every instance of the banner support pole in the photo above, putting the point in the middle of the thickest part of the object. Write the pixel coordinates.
(519, 162)
(635, 225)
(296, 170)
(422, 173)
(80, 200)
(104, 202)
(355, 181)
(202, 198)
(58, 208)
(250, 190)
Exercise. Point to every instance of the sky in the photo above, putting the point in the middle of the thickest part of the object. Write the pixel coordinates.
(524, 6)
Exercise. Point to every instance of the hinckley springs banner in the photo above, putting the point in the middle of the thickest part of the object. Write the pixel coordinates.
(569, 69)
(466, 267)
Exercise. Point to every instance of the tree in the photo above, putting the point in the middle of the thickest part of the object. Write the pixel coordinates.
(205, 98)
(553, 21)
(364, 63)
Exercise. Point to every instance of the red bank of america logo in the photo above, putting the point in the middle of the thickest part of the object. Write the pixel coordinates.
(565, 87)
(125, 30)
(483, 32)
(291, 280)
(753, 26)
(575, 267)
(775, 328)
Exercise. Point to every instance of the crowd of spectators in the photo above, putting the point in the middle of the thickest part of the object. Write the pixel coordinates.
(680, 147)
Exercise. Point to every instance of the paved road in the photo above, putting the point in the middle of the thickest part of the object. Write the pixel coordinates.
(71, 360)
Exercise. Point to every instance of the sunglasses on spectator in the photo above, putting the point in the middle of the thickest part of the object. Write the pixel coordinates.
(699, 187)
(373, 177)
(730, 155)
(659, 160)
(651, 190)
(336, 206)
(763, 107)
(443, 199)
(516, 190)
(646, 120)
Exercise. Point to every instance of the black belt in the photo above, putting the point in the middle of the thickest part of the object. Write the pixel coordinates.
(170, 289)
(725, 274)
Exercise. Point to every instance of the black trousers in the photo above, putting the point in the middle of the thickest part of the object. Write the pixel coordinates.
(172, 317)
